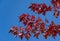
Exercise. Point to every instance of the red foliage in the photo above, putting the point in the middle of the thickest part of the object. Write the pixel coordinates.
(36, 26)
(40, 8)
(56, 5)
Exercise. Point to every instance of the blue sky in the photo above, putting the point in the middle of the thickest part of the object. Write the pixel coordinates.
(9, 12)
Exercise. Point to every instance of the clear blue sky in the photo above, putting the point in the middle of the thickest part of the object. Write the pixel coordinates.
(9, 12)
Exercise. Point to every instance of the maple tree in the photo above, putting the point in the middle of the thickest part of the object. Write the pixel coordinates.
(36, 26)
